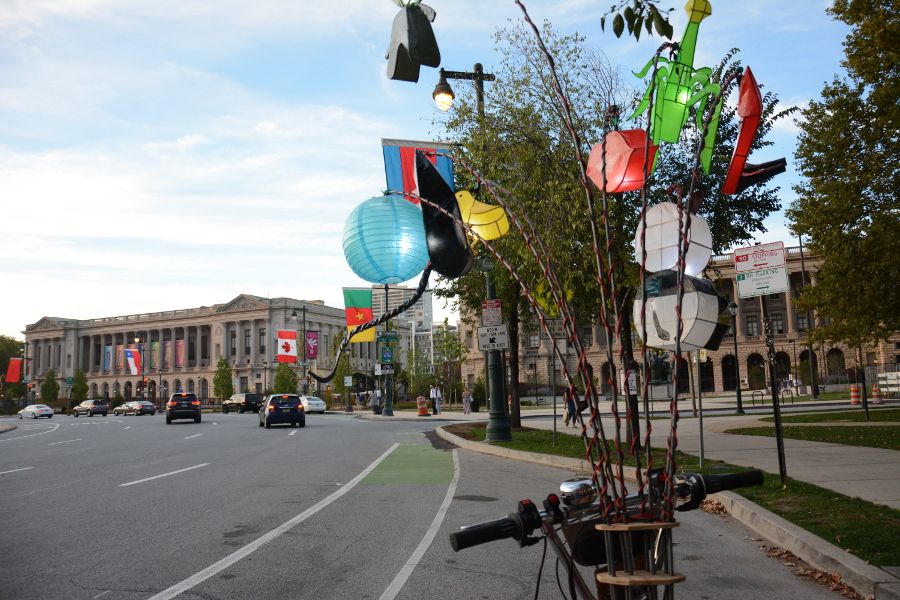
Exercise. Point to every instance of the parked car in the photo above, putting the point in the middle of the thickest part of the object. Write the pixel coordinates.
(91, 408)
(313, 404)
(182, 405)
(242, 403)
(135, 407)
(36, 410)
(282, 408)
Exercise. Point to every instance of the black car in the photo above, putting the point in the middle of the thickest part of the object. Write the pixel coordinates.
(142, 407)
(282, 408)
(91, 408)
(182, 405)
(244, 402)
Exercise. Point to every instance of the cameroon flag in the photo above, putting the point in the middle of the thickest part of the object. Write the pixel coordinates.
(358, 309)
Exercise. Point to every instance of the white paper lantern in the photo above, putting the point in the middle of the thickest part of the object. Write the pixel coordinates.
(662, 241)
(701, 307)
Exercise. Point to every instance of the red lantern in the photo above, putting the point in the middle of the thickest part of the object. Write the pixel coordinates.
(624, 161)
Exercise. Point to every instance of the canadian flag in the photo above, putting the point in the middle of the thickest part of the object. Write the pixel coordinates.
(287, 346)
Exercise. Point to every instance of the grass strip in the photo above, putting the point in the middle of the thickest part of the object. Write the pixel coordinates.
(857, 415)
(869, 531)
(878, 436)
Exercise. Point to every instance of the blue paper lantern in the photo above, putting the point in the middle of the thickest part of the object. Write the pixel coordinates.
(384, 240)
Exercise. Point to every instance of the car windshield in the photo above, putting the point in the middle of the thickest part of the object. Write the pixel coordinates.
(313, 399)
(40, 406)
(253, 397)
(146, 403)
(285, 399)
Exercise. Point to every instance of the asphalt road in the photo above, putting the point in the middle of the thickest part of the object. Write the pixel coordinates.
(127, 508)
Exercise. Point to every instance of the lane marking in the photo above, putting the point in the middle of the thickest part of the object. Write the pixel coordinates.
(403, 575)
(163, 475)
(15, 470)
(65, 442)
(101, 594)
(193, 436)
(129, 427)
(293, 432)
(234, 557)
(5, 439)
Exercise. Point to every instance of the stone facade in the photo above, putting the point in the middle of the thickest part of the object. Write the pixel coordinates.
(190, 343)
(718, 374)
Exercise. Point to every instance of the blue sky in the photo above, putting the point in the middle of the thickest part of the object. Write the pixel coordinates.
(161, 154)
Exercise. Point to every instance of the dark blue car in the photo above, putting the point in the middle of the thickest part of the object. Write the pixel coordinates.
(282, 408)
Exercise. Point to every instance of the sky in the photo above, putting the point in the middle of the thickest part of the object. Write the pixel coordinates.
(161, 154)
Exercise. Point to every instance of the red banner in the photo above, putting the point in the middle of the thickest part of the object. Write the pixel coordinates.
(14, 370)
(179, 353)
(312, 345)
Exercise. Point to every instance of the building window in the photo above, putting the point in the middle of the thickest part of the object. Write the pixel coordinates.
(246, 342)
(204, 347)
(802, 322)
(534, 341)
(262, 341)
(245, 385)
(777, 323)
(752, 325)
(233, 344)
(192, 348)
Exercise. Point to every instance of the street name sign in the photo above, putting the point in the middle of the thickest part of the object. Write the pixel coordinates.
(493, 338)
(754, 258)
(762, 282)
(490, 313)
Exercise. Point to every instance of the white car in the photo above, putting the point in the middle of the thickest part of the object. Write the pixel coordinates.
(312, 404)
(36, 410)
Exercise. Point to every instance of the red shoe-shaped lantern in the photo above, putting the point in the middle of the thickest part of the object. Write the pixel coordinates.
(624, 161)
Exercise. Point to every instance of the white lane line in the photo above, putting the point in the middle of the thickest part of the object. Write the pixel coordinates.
(163, 475)
(293, 432)
(15, 470)
(234, 557)
(65, 442)
(193, 436)
(129, 427)
(101, 594)
(400, 579)
(6, 439)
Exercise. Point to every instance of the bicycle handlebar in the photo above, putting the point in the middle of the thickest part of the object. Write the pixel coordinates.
(473, 535)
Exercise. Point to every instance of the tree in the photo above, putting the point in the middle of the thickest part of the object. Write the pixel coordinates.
(222, 384)
(847, 202)
(50, 388)
(523, 144)
(285, 379)
(451, 351)
(79, 388)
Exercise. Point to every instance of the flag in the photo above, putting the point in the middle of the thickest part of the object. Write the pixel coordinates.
(179, 353)
(358, 310)
(400, 164)
(107, 358)
(287, 346)
(14, 370)
(133, 358)
(120, 356)
(312, 345)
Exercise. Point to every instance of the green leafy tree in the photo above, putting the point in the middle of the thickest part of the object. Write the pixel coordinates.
(79, 388)
(222, 384)
(286, 380)
(847, 202)
(342, 370)
(50, 388)
(522, 143)
(451, 350)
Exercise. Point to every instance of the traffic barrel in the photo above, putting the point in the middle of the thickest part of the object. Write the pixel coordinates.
(422, 405)
(876, 394)
(854, 394)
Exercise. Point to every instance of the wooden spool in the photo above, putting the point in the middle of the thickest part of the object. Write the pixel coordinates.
(638, 576)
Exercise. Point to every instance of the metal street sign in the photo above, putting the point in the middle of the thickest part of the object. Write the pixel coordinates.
(388, 336)
(387, 355)
(556, 329)
(493, 338)
(348, 380)
(754, 258)
(491, 313)
(760, 283)
(70, 380)
(384, 369)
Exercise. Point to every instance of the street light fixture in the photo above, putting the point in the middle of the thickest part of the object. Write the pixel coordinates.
(733, 308)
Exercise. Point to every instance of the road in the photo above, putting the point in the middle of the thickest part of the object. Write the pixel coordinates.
(128, 508)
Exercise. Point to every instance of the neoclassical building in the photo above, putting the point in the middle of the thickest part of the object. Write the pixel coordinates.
(180, 348)
(718, 373)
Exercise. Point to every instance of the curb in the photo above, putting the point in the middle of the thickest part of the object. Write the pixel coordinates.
(870, 581)
(7, 427)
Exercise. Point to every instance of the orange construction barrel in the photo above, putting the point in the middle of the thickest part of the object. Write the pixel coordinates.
(854, 394)
(422, 405)
(876, 394)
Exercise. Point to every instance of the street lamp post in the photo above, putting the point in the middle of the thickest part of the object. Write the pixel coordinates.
(812, 352)
(159, 392)
(265, 376)
(498, 429)
(303, 384)
(733, 308)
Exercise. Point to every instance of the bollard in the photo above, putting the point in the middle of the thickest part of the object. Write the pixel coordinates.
(854, 394)
(422, 405)
(876, 394)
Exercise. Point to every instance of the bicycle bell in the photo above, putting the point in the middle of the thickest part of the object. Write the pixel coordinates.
(579, 491)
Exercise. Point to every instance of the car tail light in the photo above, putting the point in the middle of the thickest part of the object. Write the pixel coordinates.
(300, 406)
(195, 402)
(271, 408)
(171, 403)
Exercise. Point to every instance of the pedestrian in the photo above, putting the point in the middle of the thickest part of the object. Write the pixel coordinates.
(432, 395)
(570, 408)
(439, 397)
(467, 401)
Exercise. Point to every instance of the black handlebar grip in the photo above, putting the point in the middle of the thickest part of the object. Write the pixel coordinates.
(507, 527)
(720, 483)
